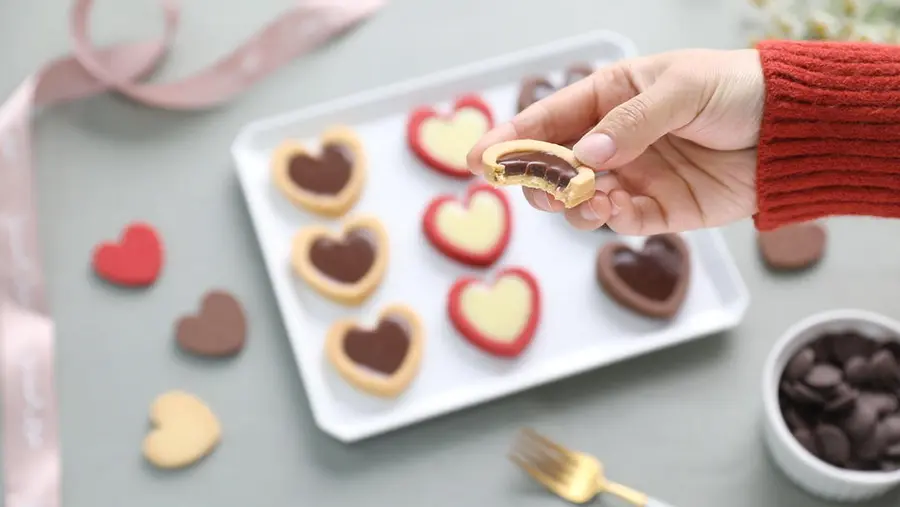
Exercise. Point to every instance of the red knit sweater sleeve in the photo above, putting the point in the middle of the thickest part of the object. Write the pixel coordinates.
(830, 135)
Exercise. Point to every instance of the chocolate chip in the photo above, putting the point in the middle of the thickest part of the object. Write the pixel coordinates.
(848, 345)
(857, 370)
(800, 364)
(794, 420)
(824, 377)
(822, 347)
(861, 421)
(891, 424)
(807, 440)
(871, 447)
(882, 403)
(893, 451)
(889, 466)
(800, 393)
(884, 367)
(833, 444)
(844, 399)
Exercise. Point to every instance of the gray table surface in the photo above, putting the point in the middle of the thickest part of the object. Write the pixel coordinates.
(681, 424)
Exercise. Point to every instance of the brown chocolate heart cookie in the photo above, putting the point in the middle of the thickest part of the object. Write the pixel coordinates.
(792, 247)
(381, 360)
(345, 266)
(328, 183)
(219, 329)
(535, 88)
(652, 281)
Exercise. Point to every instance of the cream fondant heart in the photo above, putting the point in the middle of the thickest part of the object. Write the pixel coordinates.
(448, 140)
(500, 311)
(185, 430)
(476, 228)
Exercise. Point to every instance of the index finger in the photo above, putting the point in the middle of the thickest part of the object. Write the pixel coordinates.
(563, 116)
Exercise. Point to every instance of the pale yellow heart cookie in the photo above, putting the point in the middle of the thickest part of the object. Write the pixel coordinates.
(476, 228)
(500, 317)
(500, 311)
(185, 430)
(448, 140)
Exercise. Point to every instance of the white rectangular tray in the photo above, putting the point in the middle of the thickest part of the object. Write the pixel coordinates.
(581, 327)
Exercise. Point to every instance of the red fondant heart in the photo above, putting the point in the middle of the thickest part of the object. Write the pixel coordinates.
(135, 261)
(484, 313)
(457, 228)
(420, 143)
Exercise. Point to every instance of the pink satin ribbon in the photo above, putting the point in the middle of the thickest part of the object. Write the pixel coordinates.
(31, 450)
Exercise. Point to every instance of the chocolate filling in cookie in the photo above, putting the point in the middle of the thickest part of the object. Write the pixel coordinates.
(382, 349)
(652, 272)
(325, 175)
(345, 260)
(545, 166)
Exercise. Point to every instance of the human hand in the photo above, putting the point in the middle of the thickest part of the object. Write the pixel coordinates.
(673, 137)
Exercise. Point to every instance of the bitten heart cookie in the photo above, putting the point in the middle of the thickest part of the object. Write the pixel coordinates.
(792, 247)
(134, 261)
(381, 360)
(501, 317)
(474, 232)
(345, 266)
(442, 141)
(219, 329)
(652, 281)
(535, 88)
(185, 430)
(328, 183)
(540, 165)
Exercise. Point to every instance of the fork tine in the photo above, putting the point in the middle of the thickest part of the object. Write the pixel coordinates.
(551, 459)
(535, 472)
(545, 441)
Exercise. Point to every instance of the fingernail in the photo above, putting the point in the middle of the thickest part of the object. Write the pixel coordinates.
(588, 213)
(542, 201)
(613, 208)
(594, 150)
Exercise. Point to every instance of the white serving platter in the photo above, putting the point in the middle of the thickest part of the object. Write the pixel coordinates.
(581, 327)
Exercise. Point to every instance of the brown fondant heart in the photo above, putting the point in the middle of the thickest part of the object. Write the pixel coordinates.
(535, 88)
(793, 247)
(345, 266)
(329, 183)
(220, 329)
(652, 281)
(380, 360)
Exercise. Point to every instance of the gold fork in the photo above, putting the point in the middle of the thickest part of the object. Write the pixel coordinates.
(571, 475)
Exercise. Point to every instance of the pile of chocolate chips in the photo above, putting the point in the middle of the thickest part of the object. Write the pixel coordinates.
(839, 397)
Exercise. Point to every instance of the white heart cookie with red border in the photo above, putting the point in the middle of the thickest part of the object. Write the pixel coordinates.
(442, 141)
(475, 230)
(500, 318)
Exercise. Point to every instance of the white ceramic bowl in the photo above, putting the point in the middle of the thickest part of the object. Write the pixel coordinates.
(810, 473)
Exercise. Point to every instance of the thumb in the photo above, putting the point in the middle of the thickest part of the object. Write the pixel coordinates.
(631, 127)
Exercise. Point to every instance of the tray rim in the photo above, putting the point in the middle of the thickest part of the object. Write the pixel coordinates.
(350, 433)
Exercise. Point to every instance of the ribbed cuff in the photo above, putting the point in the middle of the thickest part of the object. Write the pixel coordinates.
(830, 135)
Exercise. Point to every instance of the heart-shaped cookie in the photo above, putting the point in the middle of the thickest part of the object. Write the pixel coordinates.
(793, 247)
(539, 165)
(328, 183)
(474, 232)
(345, 266)
(134, 261)
(185, 430)
(535, 88)
(442, 141)
(652, 281)
(220, 328)
(500, 318)
(381, 360)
